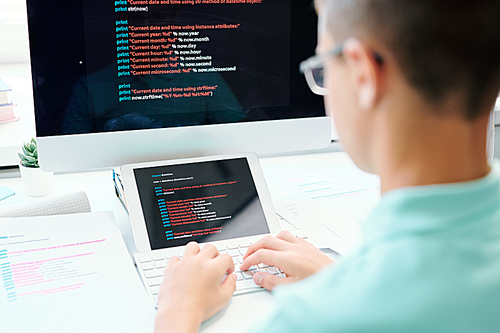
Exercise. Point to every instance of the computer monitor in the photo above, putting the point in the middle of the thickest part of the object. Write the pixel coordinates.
(127, 81)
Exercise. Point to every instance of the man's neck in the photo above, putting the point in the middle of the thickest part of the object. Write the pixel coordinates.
(416, 151)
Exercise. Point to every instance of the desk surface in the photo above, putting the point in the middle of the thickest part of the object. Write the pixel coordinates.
(242, 310)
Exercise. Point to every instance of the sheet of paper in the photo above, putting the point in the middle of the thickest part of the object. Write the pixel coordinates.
(5, 192)
(327, 188)
(69, 273)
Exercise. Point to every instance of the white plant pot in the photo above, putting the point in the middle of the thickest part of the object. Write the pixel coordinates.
(37, 183)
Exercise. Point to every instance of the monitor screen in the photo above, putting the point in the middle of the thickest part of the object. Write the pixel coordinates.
(132, 65)
(204, 201)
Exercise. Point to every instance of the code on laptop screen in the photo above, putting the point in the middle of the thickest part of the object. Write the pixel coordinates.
(204, 201)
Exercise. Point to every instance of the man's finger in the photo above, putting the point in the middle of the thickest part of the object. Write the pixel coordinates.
(226, 262)
(229, 286)
(287, 236)
(173, 260)
(192, 248)
(262, 256)
(268, 281)
(210, 251)
(268, 242)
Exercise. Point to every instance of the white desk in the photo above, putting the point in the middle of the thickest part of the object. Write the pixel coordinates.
(241, 311)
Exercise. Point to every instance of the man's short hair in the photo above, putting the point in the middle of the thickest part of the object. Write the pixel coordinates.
(441, 46)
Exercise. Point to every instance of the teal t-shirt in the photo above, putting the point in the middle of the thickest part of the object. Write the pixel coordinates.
(430, 262)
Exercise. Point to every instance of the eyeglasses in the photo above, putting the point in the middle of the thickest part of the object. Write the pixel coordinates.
(313, 69)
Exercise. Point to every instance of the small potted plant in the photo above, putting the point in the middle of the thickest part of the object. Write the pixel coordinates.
(37, 183)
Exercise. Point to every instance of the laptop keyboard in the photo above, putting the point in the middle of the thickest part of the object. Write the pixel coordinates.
(151, 265)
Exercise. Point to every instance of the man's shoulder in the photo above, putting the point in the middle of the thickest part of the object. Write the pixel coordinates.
(399, 286)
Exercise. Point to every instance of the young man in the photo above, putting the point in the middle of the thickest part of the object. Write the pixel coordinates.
(409, 84)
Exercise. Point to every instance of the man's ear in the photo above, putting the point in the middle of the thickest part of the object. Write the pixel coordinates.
(365, 73)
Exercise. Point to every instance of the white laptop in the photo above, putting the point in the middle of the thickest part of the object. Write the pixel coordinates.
(222, 200)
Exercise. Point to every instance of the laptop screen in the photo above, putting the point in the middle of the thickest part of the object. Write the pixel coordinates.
(202, 202)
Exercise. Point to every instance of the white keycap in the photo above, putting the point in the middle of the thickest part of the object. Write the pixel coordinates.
(239, 277)
(245, 245)
(155, 281)
(155, 290)
(272, 270)
(143, 260)
(281, 275)
(156, 258)
(253, 267)
(160, 264)
(223, 251)
(235, 261)
(147, 266)
(242, 251)
(262, 266)
(153, 273)
(237, 268)
(232, 247)
(247, 274)
(245, 284)
(233, 253)
(220, 247)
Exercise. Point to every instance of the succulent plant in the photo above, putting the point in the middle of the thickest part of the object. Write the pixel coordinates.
(29, 156)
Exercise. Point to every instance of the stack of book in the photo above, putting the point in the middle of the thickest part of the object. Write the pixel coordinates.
(6, 107)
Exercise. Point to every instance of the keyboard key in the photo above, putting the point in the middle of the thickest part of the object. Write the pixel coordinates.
(232, 247)
(273, 270)
(244, 245)
(247, 274)
(160, 264)
(220, 247)
(147, 266)
(156, 258)
(155, 290)
(281, 275)
(235, 261)
(242, 251)
(239, 277)
(155, 281)
(233, 253)
(223, 251)
(245, 284)
(153, 273)
(143, 260)
(262, 266)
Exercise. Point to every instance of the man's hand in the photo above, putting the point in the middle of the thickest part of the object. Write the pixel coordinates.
(192, 289)
(294, 256)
